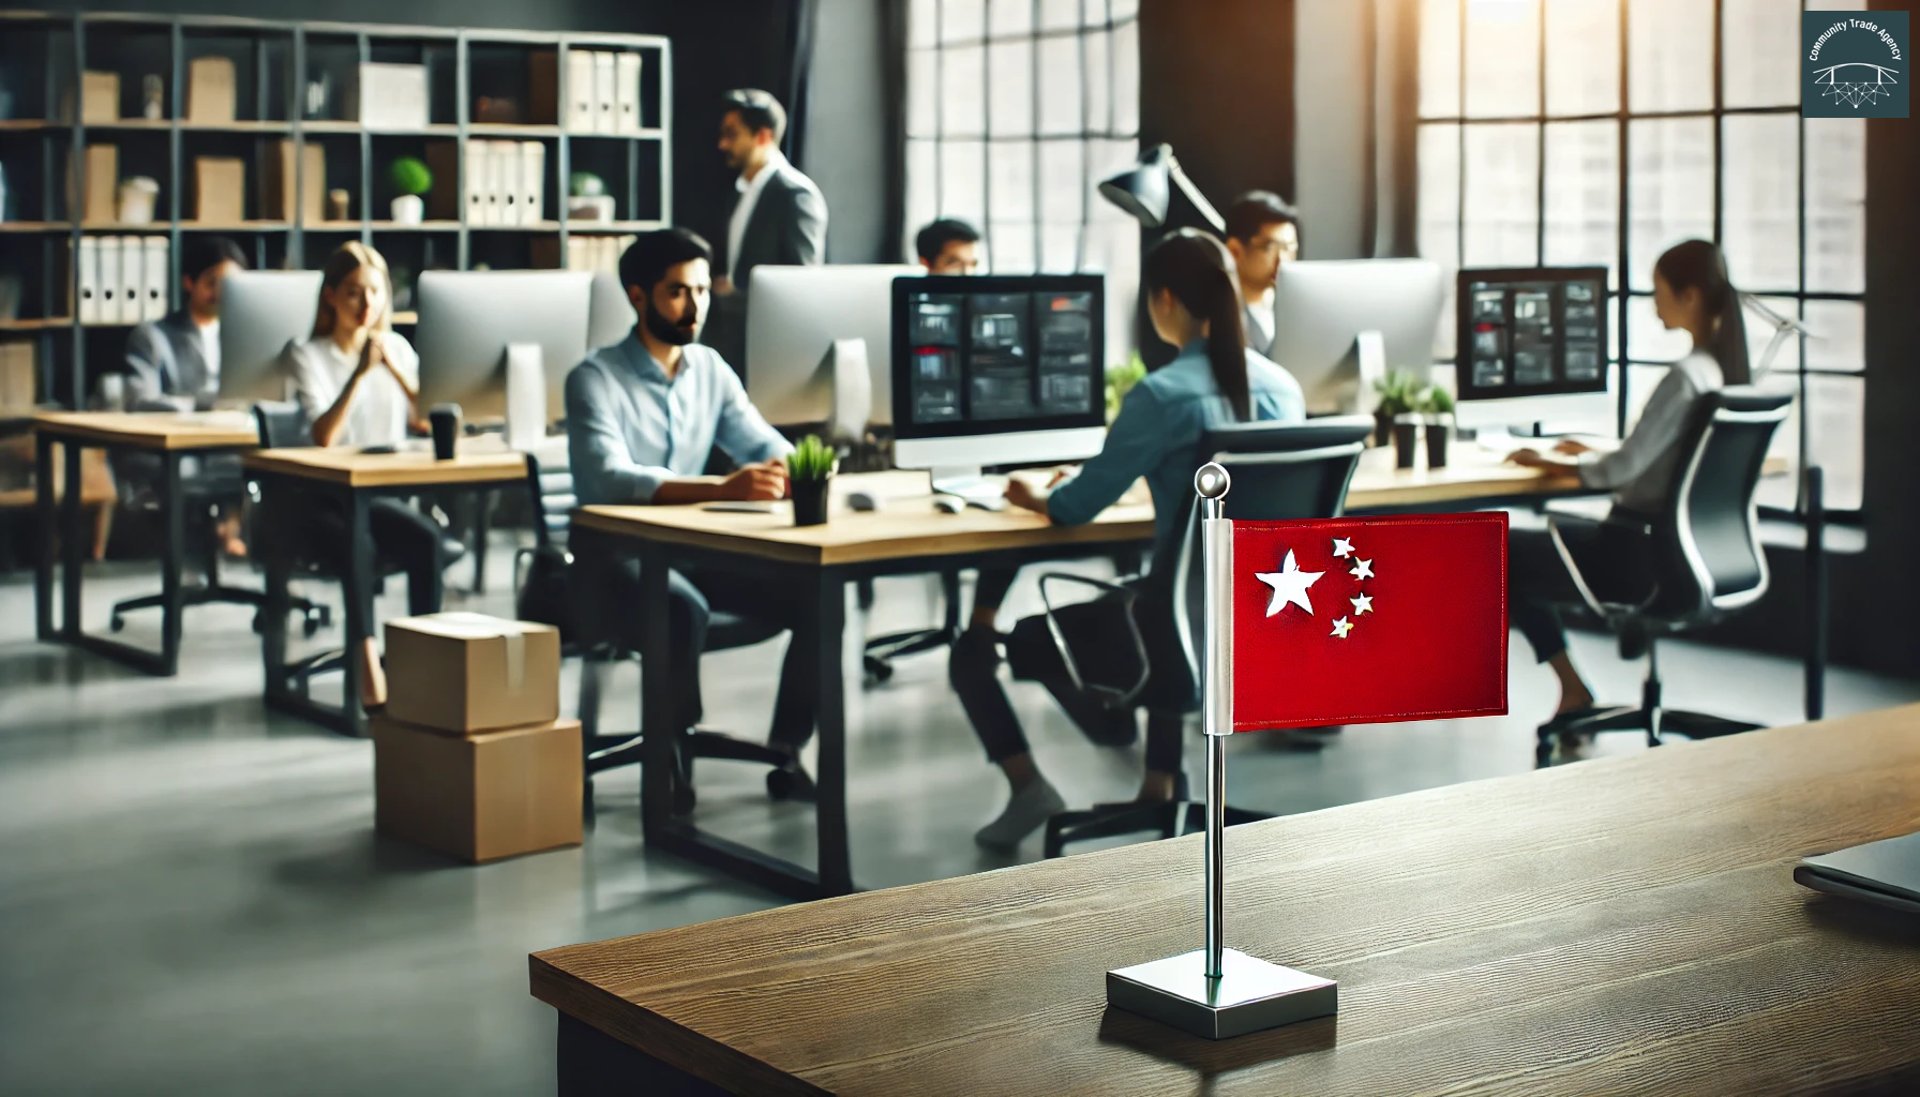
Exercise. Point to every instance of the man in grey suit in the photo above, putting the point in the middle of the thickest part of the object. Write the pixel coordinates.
(1263, 231)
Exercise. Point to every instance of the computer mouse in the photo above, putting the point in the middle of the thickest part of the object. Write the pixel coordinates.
(862, 500)
(949, 504)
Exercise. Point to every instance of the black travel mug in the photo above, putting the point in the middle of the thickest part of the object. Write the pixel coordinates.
(446, 429)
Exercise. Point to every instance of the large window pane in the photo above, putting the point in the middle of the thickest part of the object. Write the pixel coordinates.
(1010, 180)
(1011, 243)
(963, 20)
(1841, 331)
(1060, 85)
(1648, 340)
(1440, 58)
(1126, 78)
(923, 23)
(1836, 205)
(1063, 194)
(1059, 14)
(1669, 189)
(1760, 186)
(1583, 56)
(1008, 17)
(1098, 81)
(1010, 88)
(923, 183)
(1060, 248)
(1502, 196)
(1583, 195)
(963, 180)
(1439, 165)
(963, 91)
(1503, 58)
(922, 108)
(1760, 53)
(1836, 424)
(1669, 55)
(1760, 333)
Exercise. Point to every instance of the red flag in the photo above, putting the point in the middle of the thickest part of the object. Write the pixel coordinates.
(1368, 620)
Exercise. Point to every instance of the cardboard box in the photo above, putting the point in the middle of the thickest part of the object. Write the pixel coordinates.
(211, 89)
(480, 797)
(280, 189)
(93, 181)
(99, 97)
(467, 672)
(390, 97)
(219, 189)
(19, 375)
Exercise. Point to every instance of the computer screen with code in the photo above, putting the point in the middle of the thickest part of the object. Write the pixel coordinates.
(1531, 332)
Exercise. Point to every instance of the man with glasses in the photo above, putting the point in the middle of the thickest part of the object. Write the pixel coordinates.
(1263, 231)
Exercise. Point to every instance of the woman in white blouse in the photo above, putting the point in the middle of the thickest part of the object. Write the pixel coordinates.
(358, 381)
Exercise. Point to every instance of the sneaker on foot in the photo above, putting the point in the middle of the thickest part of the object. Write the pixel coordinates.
(1026, 812)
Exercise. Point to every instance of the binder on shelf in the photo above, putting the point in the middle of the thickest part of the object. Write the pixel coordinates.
(533, 181)
(133, 276)
(503, 186)
(479, 182)
(627, 91)
(106, 280)
(155, 278)
(579, 91)
(605, 76)
(85, 256)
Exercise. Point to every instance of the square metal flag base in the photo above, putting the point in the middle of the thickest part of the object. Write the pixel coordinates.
(1249, 996)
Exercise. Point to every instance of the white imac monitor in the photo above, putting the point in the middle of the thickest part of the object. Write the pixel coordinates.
(1340, 324)
(610, 315)
(1532, 348)
(261, 311)
(469, 318)
(795, 315)
(997, 371)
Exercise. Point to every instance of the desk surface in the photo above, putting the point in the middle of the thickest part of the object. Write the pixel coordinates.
(1629, 924)
(159, 430)
(348, 466)
(906, 525)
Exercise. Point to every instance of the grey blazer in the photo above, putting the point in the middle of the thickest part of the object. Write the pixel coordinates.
(788, 226)
(167, 368)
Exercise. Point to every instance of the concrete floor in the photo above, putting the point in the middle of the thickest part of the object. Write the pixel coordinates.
(192, 899)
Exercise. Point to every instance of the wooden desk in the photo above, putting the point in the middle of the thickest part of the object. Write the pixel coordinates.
(1623, 925)
(350, 479)
(169, 437)
(905, 535)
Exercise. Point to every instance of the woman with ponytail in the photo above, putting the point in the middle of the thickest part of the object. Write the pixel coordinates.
(1195, 305)
(1691, 293)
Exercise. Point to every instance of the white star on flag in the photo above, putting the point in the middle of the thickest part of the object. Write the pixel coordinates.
(1363, 569)
(1362, 604)
(1341, 628)
(1289, 586)
(1342, 548)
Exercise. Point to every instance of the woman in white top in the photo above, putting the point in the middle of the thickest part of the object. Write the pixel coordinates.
(358, 381)
(1692, 293)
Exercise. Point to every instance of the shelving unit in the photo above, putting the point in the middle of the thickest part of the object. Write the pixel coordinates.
(275, 61)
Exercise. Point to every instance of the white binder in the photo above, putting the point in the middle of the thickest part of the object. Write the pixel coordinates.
(133, 277)
(106, 280)
(533, 181)
(605, 97)
(479, 168)
(155, 278)
(579, 112)
(505, 193)
(627, 92)
(86, 259)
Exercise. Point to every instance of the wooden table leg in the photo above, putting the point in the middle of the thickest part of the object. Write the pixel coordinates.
(829, 708)
(44, 536)
(72, 545)
(172, 553)
(657, 707)
(359, 594)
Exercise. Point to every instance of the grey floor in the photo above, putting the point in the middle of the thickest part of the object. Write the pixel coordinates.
(192, 899)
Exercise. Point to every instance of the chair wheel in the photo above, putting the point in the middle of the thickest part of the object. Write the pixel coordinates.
(116, 622)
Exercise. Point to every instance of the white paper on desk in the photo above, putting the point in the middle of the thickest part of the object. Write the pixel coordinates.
(526, 396)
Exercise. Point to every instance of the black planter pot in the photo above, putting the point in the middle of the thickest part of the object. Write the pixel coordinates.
(1438, 436)
(810, 502)
(1382, 429)
(1406, 444)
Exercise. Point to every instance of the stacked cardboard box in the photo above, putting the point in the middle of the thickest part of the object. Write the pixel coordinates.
(470, 756)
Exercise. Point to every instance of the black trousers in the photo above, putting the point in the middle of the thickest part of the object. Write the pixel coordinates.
(403, 538)
(1613, 561)
(608, 608)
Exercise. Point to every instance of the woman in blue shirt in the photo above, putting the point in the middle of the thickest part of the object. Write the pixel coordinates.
(1214, 380)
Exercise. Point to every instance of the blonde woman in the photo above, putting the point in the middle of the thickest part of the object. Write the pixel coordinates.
(358, 381)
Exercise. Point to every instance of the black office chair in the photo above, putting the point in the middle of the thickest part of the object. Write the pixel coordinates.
(1298, 470)
(553, 500)
(1703, 557)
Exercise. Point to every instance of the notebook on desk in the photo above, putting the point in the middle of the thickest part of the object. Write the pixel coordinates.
(1886, 872)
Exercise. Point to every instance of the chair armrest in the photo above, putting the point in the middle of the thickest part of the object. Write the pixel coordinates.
(1558, 524)
(1109, 696)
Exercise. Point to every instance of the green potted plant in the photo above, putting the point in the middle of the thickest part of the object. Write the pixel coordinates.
(1120, 381)
(1393, 418)
(411, 180)
(809, 472)
(1437, 406)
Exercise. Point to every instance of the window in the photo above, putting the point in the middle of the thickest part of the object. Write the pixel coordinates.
(1016, 109)
(1570, 132)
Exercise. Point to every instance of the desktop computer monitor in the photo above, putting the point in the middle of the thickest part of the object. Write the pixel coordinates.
(1532, 345)
(997, 371)
(610, 315)
(794, 316)
(1321, 309)
(261, 311)
(469, 318)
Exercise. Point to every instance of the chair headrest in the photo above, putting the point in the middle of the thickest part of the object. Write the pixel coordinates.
(1754, 399)
(1337, 430)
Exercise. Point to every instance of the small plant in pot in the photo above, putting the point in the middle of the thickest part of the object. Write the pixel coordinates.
(809, 473)
(411, 181)
(1394, 417)
(1437, 406)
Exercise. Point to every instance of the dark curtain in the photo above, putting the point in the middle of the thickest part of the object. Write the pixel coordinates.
(801, 32)
(893, 59)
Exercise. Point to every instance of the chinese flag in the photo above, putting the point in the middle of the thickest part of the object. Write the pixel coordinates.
(1367, 620)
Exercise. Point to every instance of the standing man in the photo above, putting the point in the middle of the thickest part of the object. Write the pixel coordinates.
(779, 216)
(948, 246)
(1263, 231)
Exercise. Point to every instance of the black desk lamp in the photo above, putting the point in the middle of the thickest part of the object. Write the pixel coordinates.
(1160, 196)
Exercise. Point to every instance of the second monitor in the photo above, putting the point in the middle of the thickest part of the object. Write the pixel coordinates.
(469, 318)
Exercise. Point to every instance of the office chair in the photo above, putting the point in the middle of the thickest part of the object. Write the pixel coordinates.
(1703, 554)
(1296, 470)
(553, 501)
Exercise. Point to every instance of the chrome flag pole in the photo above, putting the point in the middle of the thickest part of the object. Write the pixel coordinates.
(1217, 992)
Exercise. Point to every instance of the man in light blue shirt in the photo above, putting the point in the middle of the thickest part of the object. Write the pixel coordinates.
(643, 416)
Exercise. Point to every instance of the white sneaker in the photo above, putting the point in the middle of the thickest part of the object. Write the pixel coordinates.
(1027, 811)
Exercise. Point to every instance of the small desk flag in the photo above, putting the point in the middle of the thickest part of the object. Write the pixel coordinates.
(1369, 620)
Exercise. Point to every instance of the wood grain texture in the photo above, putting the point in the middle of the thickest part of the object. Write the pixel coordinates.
(345, 465)
(157, 430)
(1623, 925)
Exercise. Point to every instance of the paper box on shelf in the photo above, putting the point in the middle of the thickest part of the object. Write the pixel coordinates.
(478, 797)
(211, 90)
(219, 189)
(390, 97)
(99, 97)
(312, 180)
(93, 184)
(468, 672)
